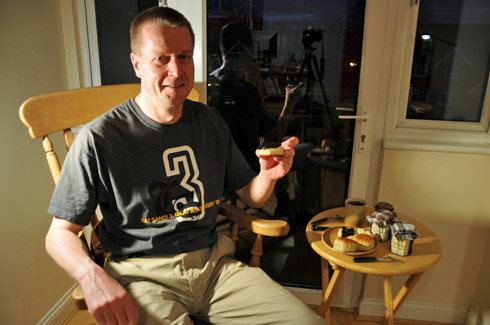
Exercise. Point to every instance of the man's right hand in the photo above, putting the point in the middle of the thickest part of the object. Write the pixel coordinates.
(106, 299)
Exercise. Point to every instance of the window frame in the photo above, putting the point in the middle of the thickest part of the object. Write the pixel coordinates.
(417, 134)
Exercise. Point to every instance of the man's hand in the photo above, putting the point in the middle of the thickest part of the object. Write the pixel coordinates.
(276, 167)
(294, 93)
(106, 299)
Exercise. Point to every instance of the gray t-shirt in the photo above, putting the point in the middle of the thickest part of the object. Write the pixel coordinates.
(158, 185)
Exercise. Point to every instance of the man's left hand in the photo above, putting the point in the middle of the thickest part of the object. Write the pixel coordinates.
(276, 167)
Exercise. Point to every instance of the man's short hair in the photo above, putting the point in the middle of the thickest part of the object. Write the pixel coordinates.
(163, 16)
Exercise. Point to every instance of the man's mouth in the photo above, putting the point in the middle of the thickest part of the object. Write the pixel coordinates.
(174, 86)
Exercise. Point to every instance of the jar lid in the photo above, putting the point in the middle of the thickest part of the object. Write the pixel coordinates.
(384, 206)
(382, 216)
(404, 230)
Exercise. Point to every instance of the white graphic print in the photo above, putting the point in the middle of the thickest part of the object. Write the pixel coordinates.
(180, 161)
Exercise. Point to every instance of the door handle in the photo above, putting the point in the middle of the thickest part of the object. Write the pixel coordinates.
(364, 119)
(354, 117)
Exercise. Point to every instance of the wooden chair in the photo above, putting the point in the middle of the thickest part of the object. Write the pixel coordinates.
(44, 115)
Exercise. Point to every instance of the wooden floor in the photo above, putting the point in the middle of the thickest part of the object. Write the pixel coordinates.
(338, 318)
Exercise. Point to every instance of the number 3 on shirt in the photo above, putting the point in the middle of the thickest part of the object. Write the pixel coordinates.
(180, 161)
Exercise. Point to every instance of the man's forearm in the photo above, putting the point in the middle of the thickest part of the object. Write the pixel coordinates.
(258, 191)
(67, 250)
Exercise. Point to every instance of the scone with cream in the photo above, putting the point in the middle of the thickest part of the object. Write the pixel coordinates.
(364, 242)
(344, 245)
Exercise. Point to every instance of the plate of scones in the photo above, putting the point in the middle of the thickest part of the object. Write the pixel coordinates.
(350, 241)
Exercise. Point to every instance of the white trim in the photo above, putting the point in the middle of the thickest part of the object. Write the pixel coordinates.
(313, 297)
(438, 140)
(444, 125)
(422, 311)
(70, 44)
(310, 297)
(347, 293)
(93, 44)
(84, 44)
(60, 310)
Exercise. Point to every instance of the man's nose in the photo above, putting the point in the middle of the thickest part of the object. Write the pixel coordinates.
(174, 67)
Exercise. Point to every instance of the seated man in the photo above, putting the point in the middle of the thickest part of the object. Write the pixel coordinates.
(145, 163)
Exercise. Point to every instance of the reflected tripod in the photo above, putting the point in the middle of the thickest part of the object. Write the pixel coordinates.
(308, 59)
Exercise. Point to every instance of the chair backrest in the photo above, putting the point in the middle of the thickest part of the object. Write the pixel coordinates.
(46, 114)
(253, 76)
(61, 111)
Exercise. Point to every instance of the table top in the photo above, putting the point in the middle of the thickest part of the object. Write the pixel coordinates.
(426, 248)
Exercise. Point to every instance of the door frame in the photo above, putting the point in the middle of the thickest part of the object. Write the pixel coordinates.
(378, 49)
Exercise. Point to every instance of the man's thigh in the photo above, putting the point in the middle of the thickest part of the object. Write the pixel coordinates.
(157, 304)
(240, 294)
(163, 295)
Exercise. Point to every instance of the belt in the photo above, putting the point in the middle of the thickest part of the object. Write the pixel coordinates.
(130, 255)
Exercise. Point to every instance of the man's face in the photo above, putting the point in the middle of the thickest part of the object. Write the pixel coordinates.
(165, 65)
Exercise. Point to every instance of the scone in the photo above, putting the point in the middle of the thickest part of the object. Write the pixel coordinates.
(364, 242)
(277, 151)
(344, 245)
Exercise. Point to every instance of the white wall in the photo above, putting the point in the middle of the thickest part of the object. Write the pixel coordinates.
(449, 192)
(32, 63)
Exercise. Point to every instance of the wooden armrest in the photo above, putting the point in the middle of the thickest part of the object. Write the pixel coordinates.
(265, 227)
(79, 298)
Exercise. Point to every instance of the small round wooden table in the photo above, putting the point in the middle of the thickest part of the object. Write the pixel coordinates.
(426, 252)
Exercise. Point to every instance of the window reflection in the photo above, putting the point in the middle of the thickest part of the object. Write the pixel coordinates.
(451, 61)
(318, 43)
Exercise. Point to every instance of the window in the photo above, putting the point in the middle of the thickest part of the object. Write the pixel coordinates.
(451, 61)
(439, 97)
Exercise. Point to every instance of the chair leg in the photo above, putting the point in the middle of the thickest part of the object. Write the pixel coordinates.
(234, 234)
(256, 251)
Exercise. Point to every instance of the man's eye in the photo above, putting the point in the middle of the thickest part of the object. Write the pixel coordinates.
(161, 59)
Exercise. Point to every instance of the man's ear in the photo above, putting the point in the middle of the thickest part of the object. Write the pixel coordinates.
(136, 64)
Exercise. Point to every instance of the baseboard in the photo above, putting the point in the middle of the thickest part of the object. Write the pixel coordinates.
(60, 311)
(413, 310)
(481, 317)
(313, 297)
(370, 307)
(472, 318)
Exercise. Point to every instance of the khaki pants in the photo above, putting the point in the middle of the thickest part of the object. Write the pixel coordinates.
(210, 286)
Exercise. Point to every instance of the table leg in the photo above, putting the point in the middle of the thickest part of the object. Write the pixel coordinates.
(325, 281)
(405, 290)
(328, 288)
(392, 306)
(388, 301)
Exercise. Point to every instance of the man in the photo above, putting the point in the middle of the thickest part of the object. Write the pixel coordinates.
(157, 165)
